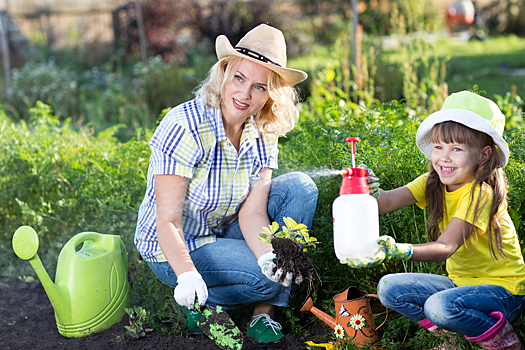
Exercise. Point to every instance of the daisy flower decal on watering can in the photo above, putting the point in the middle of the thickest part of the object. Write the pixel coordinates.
(357, 322)
(339, 331)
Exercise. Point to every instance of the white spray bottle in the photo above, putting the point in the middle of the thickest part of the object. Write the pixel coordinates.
(355, 214)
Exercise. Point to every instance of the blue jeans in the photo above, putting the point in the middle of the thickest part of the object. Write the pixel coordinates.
(230, 268)
(463, 310)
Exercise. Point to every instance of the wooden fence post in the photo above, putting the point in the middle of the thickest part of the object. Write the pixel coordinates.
(356, 44)
(5, 51)
(142, 33)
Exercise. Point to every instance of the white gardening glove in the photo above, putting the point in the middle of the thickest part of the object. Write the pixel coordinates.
(267, 266)
(188, 284)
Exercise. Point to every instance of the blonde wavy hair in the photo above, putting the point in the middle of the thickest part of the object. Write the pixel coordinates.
(279, 114)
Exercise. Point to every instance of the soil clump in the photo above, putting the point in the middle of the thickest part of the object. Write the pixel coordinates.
(290, 256)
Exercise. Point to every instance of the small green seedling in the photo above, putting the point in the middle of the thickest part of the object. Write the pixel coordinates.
(292, 230)
(137, 318)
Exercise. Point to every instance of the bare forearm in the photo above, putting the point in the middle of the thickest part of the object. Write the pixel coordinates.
(253, 215)
(394, 199)
(251, 225)
(431, 252)
(170, 191)
(174, 248)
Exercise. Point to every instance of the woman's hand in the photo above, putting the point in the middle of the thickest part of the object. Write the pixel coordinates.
(190, 284)
(268, 266)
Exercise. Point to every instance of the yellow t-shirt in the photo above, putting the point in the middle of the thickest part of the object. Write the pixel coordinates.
(472, 263)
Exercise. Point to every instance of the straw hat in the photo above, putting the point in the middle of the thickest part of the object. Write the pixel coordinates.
(264, 45)
(471, 110)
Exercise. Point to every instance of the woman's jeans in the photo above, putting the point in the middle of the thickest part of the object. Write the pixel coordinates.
(463, 310)
(230, 268)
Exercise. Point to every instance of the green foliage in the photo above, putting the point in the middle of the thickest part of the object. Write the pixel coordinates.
(137, 318)
(418, 16)
(62, 182)
(292, 230)
(99, 98)
(413, 72)
(511, 105)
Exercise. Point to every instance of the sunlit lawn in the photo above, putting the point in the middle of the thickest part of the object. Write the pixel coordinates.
(494, 64)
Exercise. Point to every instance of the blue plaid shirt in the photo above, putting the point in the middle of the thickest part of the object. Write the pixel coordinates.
(191, 142)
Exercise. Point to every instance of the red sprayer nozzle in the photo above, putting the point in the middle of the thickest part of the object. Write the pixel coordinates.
(354, 181)
(353, 141)
(346, 171)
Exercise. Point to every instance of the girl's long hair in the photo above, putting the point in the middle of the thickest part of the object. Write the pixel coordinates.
(488, 173)
(279, 114)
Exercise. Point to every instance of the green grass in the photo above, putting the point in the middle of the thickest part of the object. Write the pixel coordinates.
(489, 64)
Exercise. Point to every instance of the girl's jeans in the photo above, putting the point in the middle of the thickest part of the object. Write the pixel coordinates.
(230, 268)
(463, 310)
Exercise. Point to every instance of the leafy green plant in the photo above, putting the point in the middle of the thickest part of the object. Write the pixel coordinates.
(137, 318)
(292, 230)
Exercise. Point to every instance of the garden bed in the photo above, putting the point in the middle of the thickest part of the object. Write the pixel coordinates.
(28, 322)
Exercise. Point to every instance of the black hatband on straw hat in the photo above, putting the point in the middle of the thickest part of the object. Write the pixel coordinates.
(256, 55)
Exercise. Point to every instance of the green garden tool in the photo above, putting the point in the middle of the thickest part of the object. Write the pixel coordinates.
(218, 326)
(91, 286)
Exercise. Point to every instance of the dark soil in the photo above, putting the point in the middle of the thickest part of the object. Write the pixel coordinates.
(27, 322)
(290, 256)
(227, 328)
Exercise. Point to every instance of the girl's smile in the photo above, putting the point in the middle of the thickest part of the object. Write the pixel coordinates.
(455, 163)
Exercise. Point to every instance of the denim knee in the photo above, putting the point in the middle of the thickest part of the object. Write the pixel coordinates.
(439, 309)
(385, 291)
(299, 185)
(266, 289)
(309, 189)
(293, 195)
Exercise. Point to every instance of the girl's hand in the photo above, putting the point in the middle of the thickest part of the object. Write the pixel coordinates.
(373, 181)
(366, 263)
(388, 249)
(393, 250)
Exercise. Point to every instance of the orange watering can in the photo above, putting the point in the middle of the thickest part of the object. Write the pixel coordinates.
(354, 320)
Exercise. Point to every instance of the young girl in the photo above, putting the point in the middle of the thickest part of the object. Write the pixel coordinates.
(465, 191)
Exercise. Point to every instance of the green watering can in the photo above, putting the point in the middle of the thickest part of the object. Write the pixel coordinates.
(91, 286)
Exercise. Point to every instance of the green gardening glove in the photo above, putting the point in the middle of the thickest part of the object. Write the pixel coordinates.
(373, 181)
(366, 263)
(393, 250)
(388, 249)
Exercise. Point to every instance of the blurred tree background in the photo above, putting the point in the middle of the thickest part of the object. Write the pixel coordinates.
(130, 81)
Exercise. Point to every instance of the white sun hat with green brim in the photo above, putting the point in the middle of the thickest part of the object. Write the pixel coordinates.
(473, 111)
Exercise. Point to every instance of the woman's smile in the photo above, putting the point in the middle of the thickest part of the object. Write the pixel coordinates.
(239, 105)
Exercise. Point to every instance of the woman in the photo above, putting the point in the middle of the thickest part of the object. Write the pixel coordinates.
(209, 187)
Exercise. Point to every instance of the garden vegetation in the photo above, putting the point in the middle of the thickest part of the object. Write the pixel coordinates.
(76, 160)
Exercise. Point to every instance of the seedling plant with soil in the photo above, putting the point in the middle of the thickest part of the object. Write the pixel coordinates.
(290, 246)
